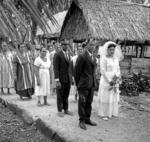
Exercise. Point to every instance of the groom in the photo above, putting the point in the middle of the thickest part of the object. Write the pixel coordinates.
(62, 62)
(85, 81)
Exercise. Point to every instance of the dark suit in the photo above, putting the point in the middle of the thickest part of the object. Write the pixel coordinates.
(62, 72)
(85, 81)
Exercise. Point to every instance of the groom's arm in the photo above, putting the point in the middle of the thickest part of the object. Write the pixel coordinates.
(56, 66)
(78, 68)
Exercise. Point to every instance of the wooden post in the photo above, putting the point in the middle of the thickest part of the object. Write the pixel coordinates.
(136, 47)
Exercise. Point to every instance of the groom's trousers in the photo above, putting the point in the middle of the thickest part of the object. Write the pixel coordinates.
(62, 97)
(85, 104)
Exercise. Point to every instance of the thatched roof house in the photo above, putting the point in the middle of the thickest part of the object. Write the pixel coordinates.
(106, 20)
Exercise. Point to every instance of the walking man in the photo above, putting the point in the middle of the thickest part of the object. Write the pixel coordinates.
(62, 71)
(85, 81)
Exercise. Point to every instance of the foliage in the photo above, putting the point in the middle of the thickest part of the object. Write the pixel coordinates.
(19, 17)
(134, 84)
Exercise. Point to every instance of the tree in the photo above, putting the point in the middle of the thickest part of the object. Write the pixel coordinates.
(18, 17)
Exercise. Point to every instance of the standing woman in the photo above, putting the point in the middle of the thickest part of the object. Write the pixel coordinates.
(23, 73)
(108, 98)
(6, 80)
(42, 72)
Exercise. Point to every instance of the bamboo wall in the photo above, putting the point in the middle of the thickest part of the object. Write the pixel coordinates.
(136, 62)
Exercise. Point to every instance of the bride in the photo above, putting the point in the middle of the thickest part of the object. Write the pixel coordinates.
(109, 87)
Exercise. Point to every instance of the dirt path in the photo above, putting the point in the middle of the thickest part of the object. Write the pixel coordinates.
(132, 125)
(12, 129)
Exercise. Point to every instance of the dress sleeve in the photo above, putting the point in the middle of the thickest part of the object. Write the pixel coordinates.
(103, 63)
(103, 69)
(37, 62)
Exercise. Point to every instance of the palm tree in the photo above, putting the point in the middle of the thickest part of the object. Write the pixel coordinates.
(18, 17)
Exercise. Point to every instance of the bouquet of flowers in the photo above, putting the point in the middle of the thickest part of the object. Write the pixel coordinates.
(114, 84)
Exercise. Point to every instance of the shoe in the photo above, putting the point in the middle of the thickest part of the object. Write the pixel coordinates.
(82, 125)
(60, 114)
(89, 122)
(46, 104)
(68, 112)
(105, 118)
(21, 98)
(29, 97)
(115, 116)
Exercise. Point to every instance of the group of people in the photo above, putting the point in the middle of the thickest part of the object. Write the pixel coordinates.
(56, 70)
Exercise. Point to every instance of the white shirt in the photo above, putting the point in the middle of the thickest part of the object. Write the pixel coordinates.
(74, 59)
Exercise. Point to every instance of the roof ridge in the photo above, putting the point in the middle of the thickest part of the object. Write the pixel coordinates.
(114, 1)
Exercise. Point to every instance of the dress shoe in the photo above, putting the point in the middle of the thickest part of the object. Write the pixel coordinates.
(29, 97)
(89, 122)
(60, 114)
(21, 98)
(68, 112)
(82, 125)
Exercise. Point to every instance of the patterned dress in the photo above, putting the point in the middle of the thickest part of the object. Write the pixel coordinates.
(6, 71)
(24, 84)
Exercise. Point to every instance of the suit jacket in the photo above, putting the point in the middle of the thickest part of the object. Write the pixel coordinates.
(62, 67)
(85, 71)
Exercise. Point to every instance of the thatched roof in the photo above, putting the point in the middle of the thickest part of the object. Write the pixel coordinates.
(143, 2)
(55, 28)
(106, 20)
(136, 1)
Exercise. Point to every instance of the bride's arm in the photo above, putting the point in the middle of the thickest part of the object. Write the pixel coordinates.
(103, 65)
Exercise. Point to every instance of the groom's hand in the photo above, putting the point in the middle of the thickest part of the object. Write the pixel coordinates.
(58, 85)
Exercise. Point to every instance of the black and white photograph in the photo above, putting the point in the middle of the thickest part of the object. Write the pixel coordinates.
(74, 70)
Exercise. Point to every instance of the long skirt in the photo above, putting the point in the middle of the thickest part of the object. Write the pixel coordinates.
(108, 100)
(26, 93)
(44, 88)
(6, 79)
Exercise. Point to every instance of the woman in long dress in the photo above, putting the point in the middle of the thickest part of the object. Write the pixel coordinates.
(108, 98)
(23, 73)
(42, 71)
(6, 76)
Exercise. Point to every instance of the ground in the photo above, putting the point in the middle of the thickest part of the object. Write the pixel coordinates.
(132, 125)
(12, 129)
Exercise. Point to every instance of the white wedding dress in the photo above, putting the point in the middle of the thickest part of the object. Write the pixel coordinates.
(108, 99)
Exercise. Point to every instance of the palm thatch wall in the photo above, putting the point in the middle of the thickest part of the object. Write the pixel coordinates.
(106, 20)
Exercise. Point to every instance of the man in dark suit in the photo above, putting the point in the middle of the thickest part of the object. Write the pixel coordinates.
(85, 81)
(62, 71)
